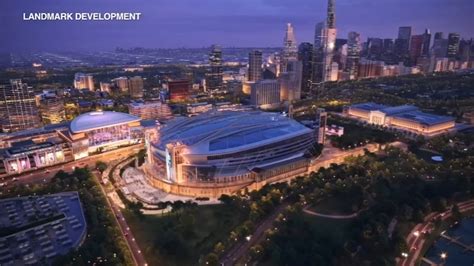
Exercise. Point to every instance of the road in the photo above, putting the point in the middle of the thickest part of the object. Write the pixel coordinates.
(240, 250)
(45, 174)
(415, 240)
(138, 257)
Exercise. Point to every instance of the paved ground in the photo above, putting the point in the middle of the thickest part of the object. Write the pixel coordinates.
(348, 216)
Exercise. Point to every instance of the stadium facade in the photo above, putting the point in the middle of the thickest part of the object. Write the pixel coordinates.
(221, 152)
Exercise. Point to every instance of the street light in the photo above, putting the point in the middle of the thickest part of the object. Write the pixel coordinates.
(444, 255)
(405, 255)
(416, 233)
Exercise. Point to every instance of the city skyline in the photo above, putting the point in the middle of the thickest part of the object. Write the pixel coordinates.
(225, 23)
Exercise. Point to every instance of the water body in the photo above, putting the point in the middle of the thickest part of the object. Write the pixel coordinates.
(456, 255)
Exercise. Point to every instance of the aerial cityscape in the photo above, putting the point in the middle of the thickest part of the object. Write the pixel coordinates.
(177, 138)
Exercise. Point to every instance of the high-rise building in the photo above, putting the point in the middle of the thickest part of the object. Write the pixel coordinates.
(290, 50)
(440, 46)
(353, 54)
(135, 86)
(305, 55)
(290, 81)
(106, 87)
(179, 90)
(426, 43)
(152, 110)
(51, 108)
(466, 50)
(321, 121)
(122, 84)
(453, 45)
(374, 48)
(402, 43)
(387, 46)
(318, 53)
(255, 66)
(416, 47)
(18, 110)
(214, 77)
(83, 81)
(265, 93)
(330, 43)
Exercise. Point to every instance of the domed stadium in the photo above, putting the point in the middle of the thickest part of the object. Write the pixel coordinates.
(225, 147)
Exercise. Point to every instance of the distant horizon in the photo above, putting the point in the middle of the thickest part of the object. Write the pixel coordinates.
(169, 24)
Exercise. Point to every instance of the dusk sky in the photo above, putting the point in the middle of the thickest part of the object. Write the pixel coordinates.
(199, 23)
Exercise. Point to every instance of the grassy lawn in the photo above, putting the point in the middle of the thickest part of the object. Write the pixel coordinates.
(181, 238)
(333, 206)
(335, 229)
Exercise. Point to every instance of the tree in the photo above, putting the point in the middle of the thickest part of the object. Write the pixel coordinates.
(101, 166)
(211, 259)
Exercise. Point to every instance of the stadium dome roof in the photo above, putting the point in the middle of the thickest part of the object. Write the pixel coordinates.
(229, 131)
(95, 120)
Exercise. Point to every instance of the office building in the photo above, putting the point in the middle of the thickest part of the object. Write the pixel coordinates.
(83, 81)
(440, 46)
(402, 43)
(150, 110)
(305, 55)
(214, 81)
(51, 108)
(255, 66)
(321, 122)
(18, 110)
(416, 47)
(329, 44)
(179, 90)
(290, 81)
(318, 53)
(453, 45)
(135, 86)
(426, 43)
(353, 55)
(122, 84)
(290, 50)
(265, 93)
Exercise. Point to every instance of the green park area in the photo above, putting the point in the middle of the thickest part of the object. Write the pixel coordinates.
(182, 236)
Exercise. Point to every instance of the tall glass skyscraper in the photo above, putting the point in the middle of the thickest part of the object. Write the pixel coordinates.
(255, 66)
(214, 76)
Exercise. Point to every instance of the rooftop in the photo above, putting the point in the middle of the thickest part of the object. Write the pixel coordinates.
(370, 106)
(95, 120)
(424, 118)
(217, 131)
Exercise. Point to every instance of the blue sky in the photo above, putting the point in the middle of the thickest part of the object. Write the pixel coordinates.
(199, 23)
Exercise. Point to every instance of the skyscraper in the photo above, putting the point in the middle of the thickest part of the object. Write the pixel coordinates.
(290, 50)
(318, 53)
(18, 109)
(324, 45)
(214, 76)
(416, 47)
(265, 93)
(440, 45)
(402, 43)
(255, 66)
(426, 43)
(330, 42)
(83, 81)
(453, 45)
(353, 54)
(135, 86)
(305, 55)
